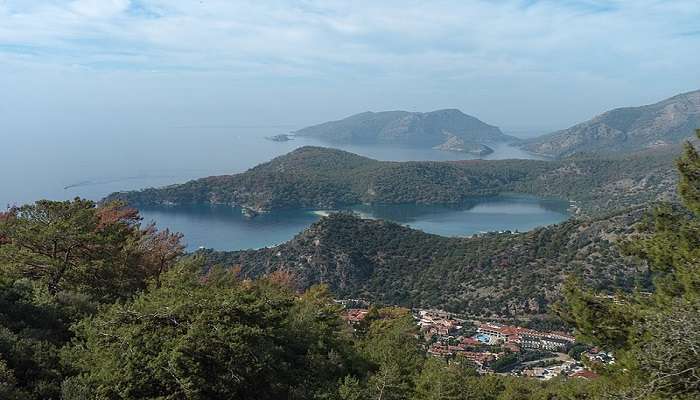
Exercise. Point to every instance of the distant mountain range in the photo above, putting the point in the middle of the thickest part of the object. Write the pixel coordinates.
(625, 129)
(450, 130)
(622, 130)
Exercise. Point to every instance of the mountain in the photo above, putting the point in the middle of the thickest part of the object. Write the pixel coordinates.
(432, 129)
(500, 274)
(625, 129)
(317, 177)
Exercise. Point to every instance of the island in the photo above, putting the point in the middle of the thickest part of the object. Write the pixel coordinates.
(458, 145)
(282, 137)
(449, 130)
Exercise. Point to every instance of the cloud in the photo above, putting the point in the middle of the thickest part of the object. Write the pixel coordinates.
(99, 8)
(378, 36)
(437, 45)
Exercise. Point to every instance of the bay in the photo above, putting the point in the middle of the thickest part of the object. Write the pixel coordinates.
(74, 161)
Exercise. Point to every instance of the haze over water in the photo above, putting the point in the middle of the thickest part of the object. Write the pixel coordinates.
(92, 166)
(77, 162)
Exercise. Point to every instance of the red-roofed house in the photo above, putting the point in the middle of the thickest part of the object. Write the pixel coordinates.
(585, 374)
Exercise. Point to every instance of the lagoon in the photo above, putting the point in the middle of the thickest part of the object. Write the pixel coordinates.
(225, 228)
(77, 162)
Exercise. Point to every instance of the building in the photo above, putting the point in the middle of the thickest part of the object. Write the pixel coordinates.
(501, 333)
(354, 315)
(480, 359)
(543, 342)
(436, 322)
(524, 338)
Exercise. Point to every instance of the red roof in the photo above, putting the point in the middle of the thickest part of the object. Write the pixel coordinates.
(585, 374)
(354, 314)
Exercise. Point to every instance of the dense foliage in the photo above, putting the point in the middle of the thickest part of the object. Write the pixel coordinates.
(168, 331)
(59, 262)
(314, 177)
(93, 305)
(654, 336)
(216, 338)
(495, 274)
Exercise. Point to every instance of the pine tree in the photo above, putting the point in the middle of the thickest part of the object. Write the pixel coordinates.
(654, 336)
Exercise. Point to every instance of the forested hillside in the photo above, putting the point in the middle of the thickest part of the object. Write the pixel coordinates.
(499, 274)
(315, 177)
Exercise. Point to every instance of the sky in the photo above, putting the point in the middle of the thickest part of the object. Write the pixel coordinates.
(530, 65)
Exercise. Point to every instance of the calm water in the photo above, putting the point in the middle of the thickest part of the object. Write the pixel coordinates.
(90, 160)
(76, 161)
(224, 228)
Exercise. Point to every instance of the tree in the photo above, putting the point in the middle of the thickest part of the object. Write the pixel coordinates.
(440, 381)
(4, 216)
(49, 240)
(213, 338)
(77, 246)
(8, 389)
(653, 336)
(391, 345)
(689, 168)
(159, 250)
(58, 262)
(32, 332)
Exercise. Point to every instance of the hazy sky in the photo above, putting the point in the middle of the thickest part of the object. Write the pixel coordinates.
(516, 64)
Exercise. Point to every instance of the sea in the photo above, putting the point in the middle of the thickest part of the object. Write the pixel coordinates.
(91, 163)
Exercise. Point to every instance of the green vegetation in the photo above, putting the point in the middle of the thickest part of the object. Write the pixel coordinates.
(314, 177)
(167, 331)
(505, 363)
(654, 335)
(495, 274)
(93, 305)
(214, 339)
(59, 263)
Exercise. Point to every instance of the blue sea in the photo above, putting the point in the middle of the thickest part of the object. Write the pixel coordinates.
(92, 162)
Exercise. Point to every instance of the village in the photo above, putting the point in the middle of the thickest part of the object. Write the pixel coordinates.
(495, 348)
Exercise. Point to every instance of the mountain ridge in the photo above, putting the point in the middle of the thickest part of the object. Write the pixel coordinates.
(432, 129)
(625, 129)
(322, 178)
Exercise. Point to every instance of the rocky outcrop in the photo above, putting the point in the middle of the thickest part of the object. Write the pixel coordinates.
(457, 144)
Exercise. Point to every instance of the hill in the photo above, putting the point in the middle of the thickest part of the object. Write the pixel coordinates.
(442, 129)
(500, 274)
(316, 177)
(625, 129)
